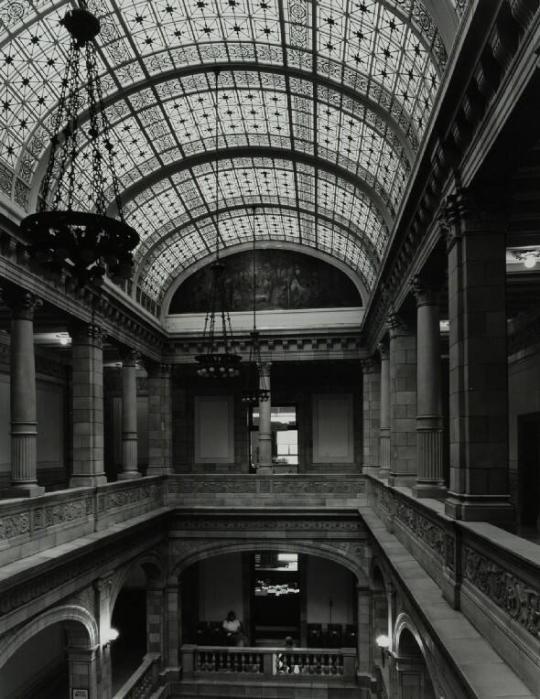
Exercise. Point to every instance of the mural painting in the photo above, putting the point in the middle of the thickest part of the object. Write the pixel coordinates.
(285, 280)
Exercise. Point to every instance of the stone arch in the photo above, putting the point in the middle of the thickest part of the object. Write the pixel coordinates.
(194, 552)
(73, 616)
(152, 564)
(379, 576)
(404, 623)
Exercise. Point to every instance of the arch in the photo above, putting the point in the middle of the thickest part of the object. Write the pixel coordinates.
(405, 627)
(198, 552)
(241, 247)
(153, 566)
(147, 259)
(69, 614)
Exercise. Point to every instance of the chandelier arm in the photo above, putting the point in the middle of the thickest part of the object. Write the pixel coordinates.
(105, 130)
(70, 80)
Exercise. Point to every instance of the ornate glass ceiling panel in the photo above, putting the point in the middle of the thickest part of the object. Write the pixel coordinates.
(327, 84)
(172, 257)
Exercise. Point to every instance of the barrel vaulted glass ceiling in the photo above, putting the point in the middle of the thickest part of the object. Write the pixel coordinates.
(322, 106)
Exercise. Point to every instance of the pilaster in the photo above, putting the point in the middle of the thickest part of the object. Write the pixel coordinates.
(129, 416)
(371, 399)
(264, 464)
(159, 418)
(384, 421)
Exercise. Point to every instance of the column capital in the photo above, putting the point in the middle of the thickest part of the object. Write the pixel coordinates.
(369, 365)
(474, 210)
(265, 369)
(129, 356)
(22, 304)
(382, 348)
(396, 324)
(87, 334)
(426, 292)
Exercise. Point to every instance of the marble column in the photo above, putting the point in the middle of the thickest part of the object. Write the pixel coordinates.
(23, 396)
(264, 464)
(159, 419)
(82, 662)
(173, 620)
(365, 630)
(384, 430)
(402, 402)
(476, 241)
(87, 354)
(129, 416)
(371, 398)
(429, 427)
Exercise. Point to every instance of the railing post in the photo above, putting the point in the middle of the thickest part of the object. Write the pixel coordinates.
(269, 664)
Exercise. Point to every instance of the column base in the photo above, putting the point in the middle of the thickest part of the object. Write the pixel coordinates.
(128, 475)
(22, 490)
(429, 490)
(85, 481)
(495, 510)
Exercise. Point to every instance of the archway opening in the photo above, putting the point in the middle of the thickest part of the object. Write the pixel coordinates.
(412, 674)
(276, 595)
(130, 619)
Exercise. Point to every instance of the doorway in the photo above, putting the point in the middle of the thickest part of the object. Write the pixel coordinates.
(529, 470)
(275, 603)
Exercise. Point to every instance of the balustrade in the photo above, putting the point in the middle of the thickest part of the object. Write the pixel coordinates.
(270, 662)
(143, 680)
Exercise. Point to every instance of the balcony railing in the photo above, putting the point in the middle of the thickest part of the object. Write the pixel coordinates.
(269, 663)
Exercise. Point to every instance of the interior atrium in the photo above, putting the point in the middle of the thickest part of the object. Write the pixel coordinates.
(269, 349)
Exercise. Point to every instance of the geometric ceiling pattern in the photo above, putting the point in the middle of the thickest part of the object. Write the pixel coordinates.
(321, 111)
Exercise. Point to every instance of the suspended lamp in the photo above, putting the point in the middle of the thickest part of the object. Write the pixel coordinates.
(255, 390)
(86, 242)
(217, 361)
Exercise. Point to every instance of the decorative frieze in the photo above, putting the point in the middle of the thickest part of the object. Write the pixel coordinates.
(422, 528)
(265, 485)
(520, 600)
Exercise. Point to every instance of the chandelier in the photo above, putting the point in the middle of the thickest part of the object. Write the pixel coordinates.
(217, 360)
(255, 390)
(86, 242)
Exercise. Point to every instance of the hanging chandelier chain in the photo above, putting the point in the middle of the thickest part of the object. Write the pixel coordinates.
(217, 166)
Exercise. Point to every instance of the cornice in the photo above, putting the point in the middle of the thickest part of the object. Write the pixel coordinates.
(482, 77)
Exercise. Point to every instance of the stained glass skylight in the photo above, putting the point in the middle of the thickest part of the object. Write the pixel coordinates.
(322, 106)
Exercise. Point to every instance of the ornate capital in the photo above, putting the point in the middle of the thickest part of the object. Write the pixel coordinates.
(87, 334)
(129, 357)
(478, 210)
(22, 304)
(396, 324)
(426, 292)
(383, 350)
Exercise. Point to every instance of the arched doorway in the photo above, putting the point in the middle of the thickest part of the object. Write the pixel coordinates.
(51, 656)
(136, 616)
(411, 674)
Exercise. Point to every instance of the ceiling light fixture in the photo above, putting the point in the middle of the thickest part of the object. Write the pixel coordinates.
(61, 236)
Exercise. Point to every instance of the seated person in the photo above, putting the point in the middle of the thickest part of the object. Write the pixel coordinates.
(234, 633)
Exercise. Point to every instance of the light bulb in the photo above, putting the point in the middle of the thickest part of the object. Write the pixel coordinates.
(529, 261)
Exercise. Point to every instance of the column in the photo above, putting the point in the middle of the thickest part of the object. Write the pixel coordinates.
(429, 428)
(23, 396)
(155, 606)
(384, 431)
(102, 592)
(402, 402)
(371, 398)
(173, 620)
(159, 418)
(265, 421)
(129, 416)
(479, 487)
(82, 662)
(87, 386)
(365, 630)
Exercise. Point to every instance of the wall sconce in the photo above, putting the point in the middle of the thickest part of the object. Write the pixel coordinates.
(110, 636)
(384, 644)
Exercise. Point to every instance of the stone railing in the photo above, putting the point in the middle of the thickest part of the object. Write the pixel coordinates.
(252, 490)
(143, 680)
(267, 663)
(491, 575)
(31, 525)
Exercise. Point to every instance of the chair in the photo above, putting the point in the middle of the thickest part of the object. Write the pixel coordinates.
(314, 635)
